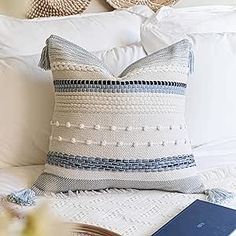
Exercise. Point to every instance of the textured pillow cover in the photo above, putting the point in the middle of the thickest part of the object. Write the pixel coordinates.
(118, 132)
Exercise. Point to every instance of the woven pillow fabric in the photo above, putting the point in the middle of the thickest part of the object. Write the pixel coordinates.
(118, 132)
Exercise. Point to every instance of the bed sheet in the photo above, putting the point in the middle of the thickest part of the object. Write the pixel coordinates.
(216, 153)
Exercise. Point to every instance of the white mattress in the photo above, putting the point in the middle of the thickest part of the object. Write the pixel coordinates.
(130, 213)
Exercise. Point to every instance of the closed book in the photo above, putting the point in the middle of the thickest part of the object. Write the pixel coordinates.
(201, 219)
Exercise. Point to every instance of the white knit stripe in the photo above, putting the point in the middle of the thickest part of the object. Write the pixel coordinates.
(166, 68)
(165, 138)
(121, 119)
(136, 176)
(75, 125)
(124, 152)
(158, 99)
(120, 103)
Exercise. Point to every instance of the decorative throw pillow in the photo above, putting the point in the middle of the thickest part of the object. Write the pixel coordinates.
(47, 8)
(118, 132)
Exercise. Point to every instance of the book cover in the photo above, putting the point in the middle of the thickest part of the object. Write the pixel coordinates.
(201, 219)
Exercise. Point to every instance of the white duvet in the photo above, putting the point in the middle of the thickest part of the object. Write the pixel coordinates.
(130, 212)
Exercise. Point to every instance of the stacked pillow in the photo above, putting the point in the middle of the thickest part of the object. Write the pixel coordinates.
(95, 32)
(25, 117)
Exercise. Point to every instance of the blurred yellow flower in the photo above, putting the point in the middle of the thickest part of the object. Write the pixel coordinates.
(39, 222)
(5, 221)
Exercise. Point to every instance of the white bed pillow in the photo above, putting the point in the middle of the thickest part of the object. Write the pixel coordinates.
(211, 97)
(26, 104)
(171, 25)
(120, 57)
(97, 31)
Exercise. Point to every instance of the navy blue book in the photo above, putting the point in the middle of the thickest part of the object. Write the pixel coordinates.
(201, 219)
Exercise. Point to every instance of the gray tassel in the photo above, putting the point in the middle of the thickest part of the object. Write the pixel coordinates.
(24, 197)
(191, 62)
(44, 62)
(218, 196)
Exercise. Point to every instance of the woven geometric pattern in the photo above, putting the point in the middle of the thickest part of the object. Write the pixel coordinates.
(118, 132)
(47, 8)
(146, 165)
(154, 4)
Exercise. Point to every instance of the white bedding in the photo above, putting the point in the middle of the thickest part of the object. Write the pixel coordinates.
(130, 213)
(15, 178)
(215, 154)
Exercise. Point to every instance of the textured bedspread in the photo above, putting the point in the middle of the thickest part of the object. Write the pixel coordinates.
(130, 213)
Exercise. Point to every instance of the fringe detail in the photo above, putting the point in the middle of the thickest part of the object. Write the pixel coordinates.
(218, 196)
(191, 62)
(26, 197)
(44, 62)
(214, 195)
(88, 193)
(23, 197)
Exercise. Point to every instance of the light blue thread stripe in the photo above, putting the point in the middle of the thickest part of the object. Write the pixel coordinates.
(112, 87)
(139, 165)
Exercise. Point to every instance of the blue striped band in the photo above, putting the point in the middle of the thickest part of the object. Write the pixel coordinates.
(108, 86)
(131, 165)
